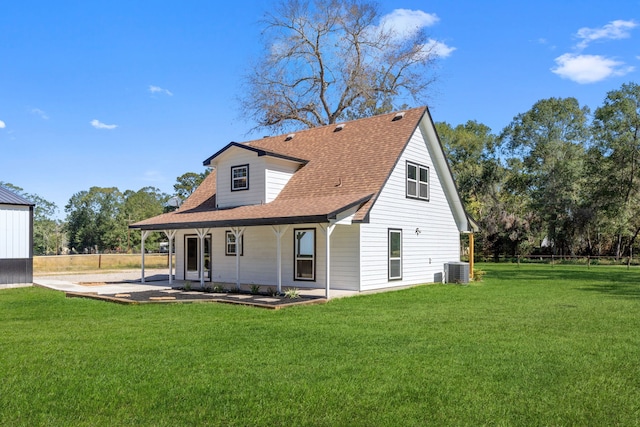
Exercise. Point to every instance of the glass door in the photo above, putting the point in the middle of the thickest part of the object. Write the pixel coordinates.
(193, 259)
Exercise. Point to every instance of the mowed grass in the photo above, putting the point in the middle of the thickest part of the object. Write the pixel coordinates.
(529, 346)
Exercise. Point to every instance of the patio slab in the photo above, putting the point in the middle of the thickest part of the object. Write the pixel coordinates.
(126, 288)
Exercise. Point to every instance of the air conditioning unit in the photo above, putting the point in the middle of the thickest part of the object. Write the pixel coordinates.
(456, 272)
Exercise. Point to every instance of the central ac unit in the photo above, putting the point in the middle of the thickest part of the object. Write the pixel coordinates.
(456, 272)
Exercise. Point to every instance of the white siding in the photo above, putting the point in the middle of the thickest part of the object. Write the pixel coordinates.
(258, 263)
(236, 157)
(345, 255)
(267, 177)
(14, 232)
(178, 248)
(423, 254)
(277, 174)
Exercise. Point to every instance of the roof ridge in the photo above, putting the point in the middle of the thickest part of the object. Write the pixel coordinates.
(319, 128)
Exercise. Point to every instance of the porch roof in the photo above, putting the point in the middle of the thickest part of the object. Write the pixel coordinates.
(290, 211)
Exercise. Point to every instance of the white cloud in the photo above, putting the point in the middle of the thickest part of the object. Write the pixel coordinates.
(404, 23)
(2, 124)
(440, 49)
(158, 89)
(585, 69)
(614, 30)
(40, 113)
(99, 125)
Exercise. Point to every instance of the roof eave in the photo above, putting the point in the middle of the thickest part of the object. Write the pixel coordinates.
(258, 151)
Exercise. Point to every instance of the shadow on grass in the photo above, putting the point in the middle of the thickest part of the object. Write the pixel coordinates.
(614, 281)
(622, 290)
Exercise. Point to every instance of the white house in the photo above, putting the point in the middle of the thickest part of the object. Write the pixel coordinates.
(361, 205)
(16, 240)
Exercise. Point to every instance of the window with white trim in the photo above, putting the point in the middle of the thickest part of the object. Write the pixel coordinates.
(230, 244)
(417, 181)
(305, 254)
(395, 254)
(240, 177)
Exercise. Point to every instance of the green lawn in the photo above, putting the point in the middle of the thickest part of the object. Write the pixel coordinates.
(530, 346)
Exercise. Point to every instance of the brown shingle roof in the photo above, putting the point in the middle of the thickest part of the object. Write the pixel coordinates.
(344, 168)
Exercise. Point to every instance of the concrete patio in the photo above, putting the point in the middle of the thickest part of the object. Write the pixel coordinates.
(126, 287)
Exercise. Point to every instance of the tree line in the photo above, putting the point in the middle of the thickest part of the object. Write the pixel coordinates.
(558, 180)
(98, 219)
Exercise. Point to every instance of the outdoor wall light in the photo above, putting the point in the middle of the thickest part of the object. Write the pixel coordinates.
(418, 231)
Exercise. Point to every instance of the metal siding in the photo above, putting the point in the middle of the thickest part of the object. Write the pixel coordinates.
(16, 271)
(15, 231)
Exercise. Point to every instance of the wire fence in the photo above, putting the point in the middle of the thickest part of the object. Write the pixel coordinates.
(552, 260)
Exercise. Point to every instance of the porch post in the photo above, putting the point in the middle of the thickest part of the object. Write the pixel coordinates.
(170, 234)
(327, 232)
(238, 232)
(145, 234)
(279, 232)
(202, 233)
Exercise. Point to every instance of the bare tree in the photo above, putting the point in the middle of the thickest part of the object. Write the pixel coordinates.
(327, 61)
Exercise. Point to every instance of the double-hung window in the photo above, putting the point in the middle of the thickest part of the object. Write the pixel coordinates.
(231, 244)
(240, 178)
(395, 254)
(417, 181)
(305, 254)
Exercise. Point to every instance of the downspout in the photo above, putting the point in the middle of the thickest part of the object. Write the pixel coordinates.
(471, 255)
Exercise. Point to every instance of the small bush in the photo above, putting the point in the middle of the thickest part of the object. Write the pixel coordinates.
(478, 275)
(272, 292)
(218, 289)
(255, 289)
(292, 293)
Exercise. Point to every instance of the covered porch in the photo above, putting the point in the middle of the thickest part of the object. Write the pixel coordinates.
(266, 258)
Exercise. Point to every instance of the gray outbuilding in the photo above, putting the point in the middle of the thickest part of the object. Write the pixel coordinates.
(16, 240)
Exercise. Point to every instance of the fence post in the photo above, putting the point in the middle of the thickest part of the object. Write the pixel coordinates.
(99, 261)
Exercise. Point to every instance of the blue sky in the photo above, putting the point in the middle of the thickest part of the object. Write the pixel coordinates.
(133, 93)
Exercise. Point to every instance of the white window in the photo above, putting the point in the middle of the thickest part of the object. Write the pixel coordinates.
(231, 245)
(240, 177)
(395, 254)
(305, 254)
(417, 181)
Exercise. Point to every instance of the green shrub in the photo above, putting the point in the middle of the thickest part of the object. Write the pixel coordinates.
(292, 293)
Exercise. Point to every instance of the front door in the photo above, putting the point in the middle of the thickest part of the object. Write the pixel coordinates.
(193, 259)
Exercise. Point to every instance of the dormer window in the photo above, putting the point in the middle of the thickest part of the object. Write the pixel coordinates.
(240, 177)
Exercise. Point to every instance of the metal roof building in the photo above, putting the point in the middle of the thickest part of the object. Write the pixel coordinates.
(16, 240)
